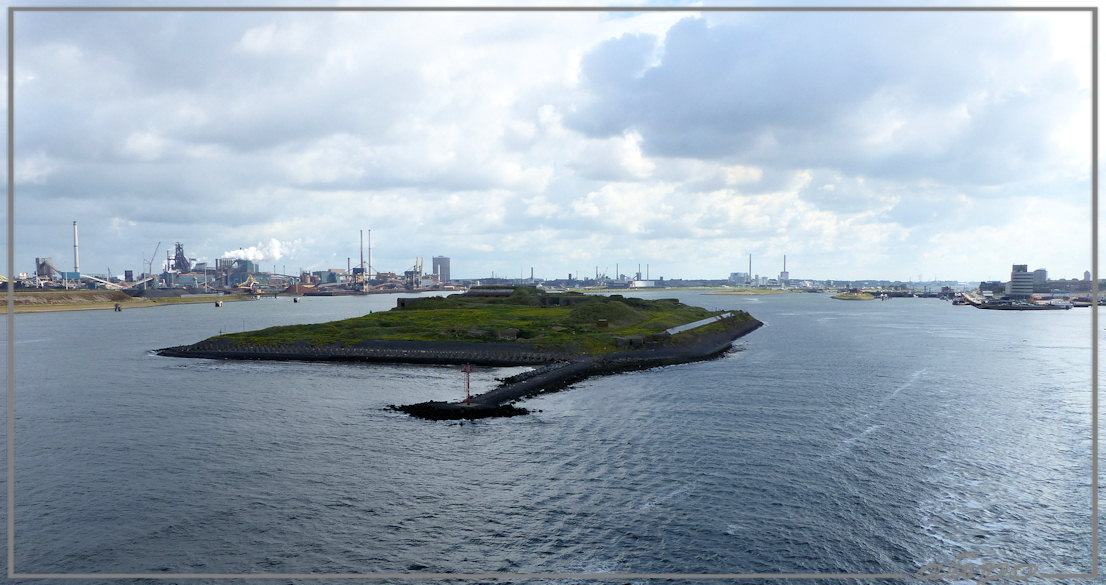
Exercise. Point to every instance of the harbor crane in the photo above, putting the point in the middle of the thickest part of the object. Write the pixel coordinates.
(414, 276)
(150, 263)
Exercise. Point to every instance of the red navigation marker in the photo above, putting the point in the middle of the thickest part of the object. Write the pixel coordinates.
(467, 370)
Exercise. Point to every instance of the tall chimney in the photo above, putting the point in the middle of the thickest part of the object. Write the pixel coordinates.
(76, 258)
(363, 255)
(750, 266)
(785, 262)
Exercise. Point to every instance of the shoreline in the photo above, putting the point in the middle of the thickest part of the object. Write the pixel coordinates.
(751, 292)
(710, 290)
(98, 303)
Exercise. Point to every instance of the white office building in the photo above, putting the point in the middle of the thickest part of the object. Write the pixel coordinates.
(1021, 282)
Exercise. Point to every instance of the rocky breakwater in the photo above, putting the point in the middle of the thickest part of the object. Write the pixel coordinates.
(394, 352)
(657, 350)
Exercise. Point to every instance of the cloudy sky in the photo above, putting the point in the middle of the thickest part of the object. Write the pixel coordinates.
(859, 144)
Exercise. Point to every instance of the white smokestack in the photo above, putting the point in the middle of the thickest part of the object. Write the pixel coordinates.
(76, 258)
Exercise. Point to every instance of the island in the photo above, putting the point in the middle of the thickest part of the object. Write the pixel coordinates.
(853, 296)
(567, 337)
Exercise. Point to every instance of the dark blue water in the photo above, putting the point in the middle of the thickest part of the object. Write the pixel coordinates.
(843, 437)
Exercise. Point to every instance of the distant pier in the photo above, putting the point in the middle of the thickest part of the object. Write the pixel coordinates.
(499, 401)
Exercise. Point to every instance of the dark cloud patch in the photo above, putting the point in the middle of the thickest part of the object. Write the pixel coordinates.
(959, 98)
(607, 71)
(717, 88)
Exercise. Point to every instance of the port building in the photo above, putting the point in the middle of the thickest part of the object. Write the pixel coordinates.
(1040, 280)
(1021, 282)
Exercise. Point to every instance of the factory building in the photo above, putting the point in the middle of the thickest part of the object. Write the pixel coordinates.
(44, 268)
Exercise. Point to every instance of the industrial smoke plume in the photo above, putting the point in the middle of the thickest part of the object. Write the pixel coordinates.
(275, 250)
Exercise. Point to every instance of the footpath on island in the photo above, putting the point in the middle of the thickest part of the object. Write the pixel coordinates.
(567, 336)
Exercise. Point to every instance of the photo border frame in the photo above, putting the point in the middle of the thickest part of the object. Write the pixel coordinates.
(13, 10)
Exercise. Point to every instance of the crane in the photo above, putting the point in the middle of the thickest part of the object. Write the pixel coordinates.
(150, 263)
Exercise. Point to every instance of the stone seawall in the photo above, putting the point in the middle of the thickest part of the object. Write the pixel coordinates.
(407, 352)
(500, 401)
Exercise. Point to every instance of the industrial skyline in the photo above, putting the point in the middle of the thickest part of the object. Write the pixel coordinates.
(178, 261)
(885, 145)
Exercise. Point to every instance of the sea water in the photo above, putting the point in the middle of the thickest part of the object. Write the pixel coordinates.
(842, 437)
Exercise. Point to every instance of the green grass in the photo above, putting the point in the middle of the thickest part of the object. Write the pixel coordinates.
(853, 296)
(484, 319)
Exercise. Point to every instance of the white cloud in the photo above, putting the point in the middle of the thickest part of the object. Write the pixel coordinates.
(616, 158)
(539, 206)
(34, 169)
(1028, 238)
(144, 146)
(270, 38)
(741, 174)
(545, 137)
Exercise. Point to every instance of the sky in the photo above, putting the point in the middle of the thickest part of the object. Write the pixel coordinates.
(861, 145)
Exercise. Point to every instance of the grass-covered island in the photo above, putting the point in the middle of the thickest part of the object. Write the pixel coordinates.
(848, 296)
(570, 336)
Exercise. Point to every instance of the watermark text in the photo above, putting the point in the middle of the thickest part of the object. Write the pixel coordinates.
(981, 573)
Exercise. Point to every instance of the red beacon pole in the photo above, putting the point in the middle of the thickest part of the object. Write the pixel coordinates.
(468, 397)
